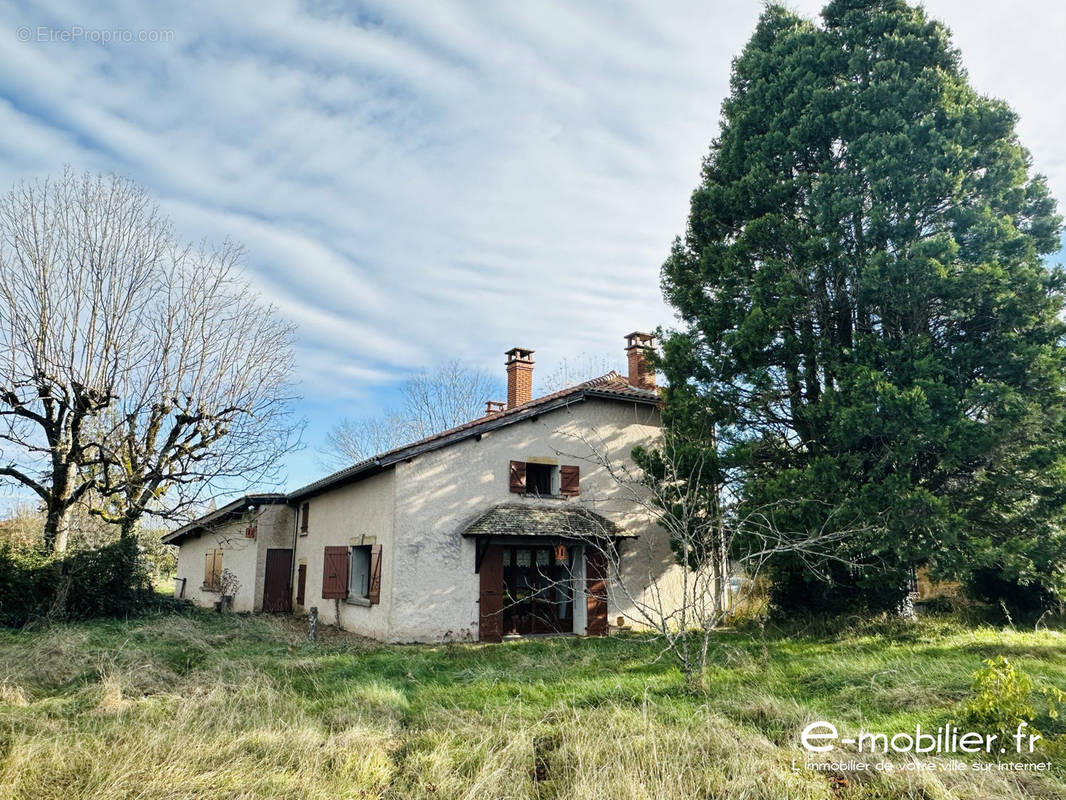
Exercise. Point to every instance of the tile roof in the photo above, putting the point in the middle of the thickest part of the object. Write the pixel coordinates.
(223, 514)
(568, 522)
(611, 386)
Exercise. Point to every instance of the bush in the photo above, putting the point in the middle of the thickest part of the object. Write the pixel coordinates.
(1005, 697)
(111, 581)
(990, 586)
(842, 589)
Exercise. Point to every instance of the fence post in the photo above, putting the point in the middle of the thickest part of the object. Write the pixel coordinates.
(312, 623)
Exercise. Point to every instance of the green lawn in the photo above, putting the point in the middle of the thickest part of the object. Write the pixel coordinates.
(200, 706)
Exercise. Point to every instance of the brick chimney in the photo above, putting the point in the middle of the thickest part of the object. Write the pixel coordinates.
(519, 376)
(641, 375)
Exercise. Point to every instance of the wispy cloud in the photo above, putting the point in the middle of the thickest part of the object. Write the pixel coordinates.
(420, 180)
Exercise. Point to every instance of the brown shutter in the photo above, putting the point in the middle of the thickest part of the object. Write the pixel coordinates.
(218, 569)
(209, 568)
(518, 477)
(570, 481)
(490, 596)
(374, 595)
(305, 514)
(335, 573)
(596, 591)
(301, 583)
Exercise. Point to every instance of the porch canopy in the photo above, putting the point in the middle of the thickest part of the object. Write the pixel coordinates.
(513, 520)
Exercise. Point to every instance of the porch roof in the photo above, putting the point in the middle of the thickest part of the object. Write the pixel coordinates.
(568, 522)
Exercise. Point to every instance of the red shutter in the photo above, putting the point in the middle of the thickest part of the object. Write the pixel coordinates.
(374, 595)
(490, 597)
(596, 591)
(335, 573)
(570, 481)
(301, 584)
(518, 477)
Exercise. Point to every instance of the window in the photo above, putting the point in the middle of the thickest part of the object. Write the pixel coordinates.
(359, 572)
(528, 477)
(213, 570)
(539, 478)
(352, 573)
(305, 515)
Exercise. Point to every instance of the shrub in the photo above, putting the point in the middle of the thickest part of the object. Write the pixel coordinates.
(1005, 697)
(111, 581)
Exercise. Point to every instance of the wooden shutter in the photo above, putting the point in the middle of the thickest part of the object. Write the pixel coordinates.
(305, 514)
(596, 591)
(335, 573)
(301, 583)
(213, 569)
(490, 597)
(570, 481)
(374, 594)
(518, 477)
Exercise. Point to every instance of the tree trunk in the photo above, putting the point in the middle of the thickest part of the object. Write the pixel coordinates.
(56, 528)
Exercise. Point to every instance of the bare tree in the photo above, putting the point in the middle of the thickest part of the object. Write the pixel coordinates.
(208, 412)
(449, 395)
(711, 539)
(78, 264)
(131, 366)
(571, 371)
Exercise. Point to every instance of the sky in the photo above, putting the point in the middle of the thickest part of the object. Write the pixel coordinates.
(416, 181)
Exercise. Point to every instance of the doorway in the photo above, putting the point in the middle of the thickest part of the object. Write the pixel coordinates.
(277, 589)
(538, 589)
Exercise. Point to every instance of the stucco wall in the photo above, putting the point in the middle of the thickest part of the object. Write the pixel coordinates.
(439, 493)
(245, 558)
(362, 512)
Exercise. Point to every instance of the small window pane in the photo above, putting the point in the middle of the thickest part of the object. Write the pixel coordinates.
(522, 558)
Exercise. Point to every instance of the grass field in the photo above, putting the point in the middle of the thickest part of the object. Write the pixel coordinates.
(203, 706)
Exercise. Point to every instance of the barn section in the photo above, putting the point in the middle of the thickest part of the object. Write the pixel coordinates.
(250, 538)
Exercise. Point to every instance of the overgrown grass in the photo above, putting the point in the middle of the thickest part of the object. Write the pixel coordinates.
(203, 706)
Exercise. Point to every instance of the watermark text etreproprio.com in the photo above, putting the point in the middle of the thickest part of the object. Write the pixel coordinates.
(79, 33)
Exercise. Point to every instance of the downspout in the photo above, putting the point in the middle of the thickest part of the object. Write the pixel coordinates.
(292, 561)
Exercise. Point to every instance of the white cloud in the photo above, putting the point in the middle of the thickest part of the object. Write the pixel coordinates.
(424, 179)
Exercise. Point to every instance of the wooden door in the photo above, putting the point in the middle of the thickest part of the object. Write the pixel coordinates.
(490, 601)
(277, 591)
(596, 591)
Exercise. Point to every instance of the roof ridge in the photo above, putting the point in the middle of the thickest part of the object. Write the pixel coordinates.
(611, 384)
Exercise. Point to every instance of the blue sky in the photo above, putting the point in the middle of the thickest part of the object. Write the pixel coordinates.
(416, 181)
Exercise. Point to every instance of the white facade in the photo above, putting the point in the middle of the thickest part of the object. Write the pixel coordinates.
(245, 558)
(414, 507)
(418, 510)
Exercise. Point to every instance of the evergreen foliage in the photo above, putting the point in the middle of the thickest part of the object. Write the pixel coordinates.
(868, 327)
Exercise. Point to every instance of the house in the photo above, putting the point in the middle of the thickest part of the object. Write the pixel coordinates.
(495, 528)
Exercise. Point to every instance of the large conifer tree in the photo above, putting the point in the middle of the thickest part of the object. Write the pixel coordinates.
(867, 322)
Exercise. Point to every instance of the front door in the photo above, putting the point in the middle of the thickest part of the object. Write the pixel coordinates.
(538, 594)
(277, 591)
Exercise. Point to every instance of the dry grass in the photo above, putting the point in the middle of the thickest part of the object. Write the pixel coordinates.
(204, 707)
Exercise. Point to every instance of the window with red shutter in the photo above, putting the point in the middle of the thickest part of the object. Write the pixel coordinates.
(305, 515)
(335, 573)
(518, 477)
(301, 583)
(570, 481)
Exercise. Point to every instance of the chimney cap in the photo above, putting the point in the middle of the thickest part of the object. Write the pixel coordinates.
(639, 339)
(520, 354)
